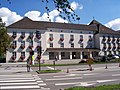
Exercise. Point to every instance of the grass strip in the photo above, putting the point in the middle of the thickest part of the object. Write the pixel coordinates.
(48, 71)
(103, 87)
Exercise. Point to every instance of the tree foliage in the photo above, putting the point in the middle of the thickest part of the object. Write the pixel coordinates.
(4, 39)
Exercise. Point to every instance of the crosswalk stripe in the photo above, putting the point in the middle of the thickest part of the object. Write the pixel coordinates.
(19, 87)
(30, 83)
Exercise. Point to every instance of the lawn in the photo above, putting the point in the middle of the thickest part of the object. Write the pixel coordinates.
(103, 87)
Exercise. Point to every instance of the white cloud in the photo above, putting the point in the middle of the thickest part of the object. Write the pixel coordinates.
(114, 24)
(74, 5)
(59, 19)
(34, 15)
(8, 16)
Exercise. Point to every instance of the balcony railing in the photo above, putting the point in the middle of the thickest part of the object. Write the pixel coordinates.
(22, 36)
(81, 39)
(13, 46)
(61, 39)
(50, 38)
(14, 36)
(13, 57)
(38, 36)
(90, 39)
(22, 46)
(22, 57)
(31, 36)
(104, 39)
(109, 39)
(31, 46)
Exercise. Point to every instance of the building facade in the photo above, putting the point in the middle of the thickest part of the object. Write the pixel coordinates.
(60, 40)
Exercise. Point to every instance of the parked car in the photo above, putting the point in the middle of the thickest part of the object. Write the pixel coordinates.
(115, 57)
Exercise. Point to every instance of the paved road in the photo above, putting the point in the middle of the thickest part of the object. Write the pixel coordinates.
(80, 76)
(16, 78)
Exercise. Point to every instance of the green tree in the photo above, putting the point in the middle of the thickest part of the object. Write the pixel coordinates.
(4, 39)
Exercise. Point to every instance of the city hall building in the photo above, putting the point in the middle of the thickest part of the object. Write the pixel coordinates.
(60, 40)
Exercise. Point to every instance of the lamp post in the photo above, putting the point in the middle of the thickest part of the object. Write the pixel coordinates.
(39, 52)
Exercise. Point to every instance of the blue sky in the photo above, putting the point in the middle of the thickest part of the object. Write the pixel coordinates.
(104, 11)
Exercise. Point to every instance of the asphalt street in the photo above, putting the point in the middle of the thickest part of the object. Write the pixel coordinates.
(79, 75)
(17, 77)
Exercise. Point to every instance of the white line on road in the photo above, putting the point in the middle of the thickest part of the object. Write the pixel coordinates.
(68, 75)
(116, 75)
(102, 81)
(19, 87)
(28, 83)
(50, 68)
(91, 74)
(17, 81)
(64, 78)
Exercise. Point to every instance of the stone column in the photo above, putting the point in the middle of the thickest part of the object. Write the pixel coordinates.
(81, 56)
(59, 55)
(70, 55)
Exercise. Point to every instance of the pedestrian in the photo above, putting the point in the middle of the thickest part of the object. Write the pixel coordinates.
(28, 64)
(89, 62)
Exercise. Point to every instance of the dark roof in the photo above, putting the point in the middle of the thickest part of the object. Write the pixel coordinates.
(27, 23)
(102, 29)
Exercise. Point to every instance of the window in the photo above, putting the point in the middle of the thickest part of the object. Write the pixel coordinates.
(61, 36)
(72, 45)
(15, 33)
(51, 35)
(39, 43)
(71, 37)
(23, 54)
(31, 43)
(15, 43)
(51, 44)
(62, 54)
(62, 45)
(14, 54)
(22, 42)
(81, 45)
(90, 38)
(38, 34)
(23, 33)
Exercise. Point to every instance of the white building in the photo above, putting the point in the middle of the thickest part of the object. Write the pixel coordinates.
(61, 40)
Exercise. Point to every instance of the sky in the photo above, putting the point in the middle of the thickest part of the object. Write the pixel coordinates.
(106, 12)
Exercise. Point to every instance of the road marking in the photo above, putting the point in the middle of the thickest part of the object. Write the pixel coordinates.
(30, 83)
(1, 79)
(50, 67)
(68, 75)
(90, 74)
(19, 87)
(63, 78)
(59, 84)
(42, 84)
(116, 75)
(85, 84)
(102, 81)
(32, 80)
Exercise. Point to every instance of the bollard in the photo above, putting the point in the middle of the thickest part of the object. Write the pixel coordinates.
(106, 67)
(67, 70)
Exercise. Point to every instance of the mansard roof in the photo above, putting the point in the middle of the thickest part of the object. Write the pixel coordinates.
(102, 29)
(27, 23)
